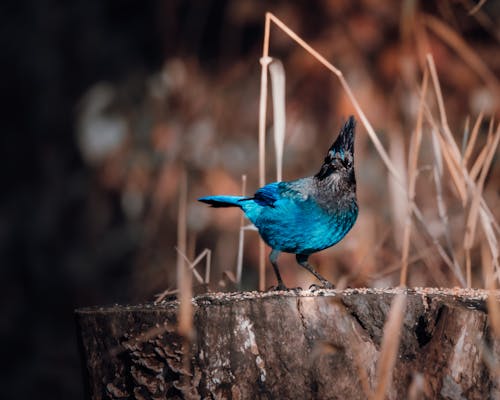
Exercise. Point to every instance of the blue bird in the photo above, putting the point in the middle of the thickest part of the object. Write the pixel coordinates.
(308, 214)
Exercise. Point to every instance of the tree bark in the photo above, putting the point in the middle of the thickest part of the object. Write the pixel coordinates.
(292, 345)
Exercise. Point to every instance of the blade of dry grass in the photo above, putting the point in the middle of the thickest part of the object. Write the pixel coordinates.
(208, 265)
(474, 172)
(264, 61)
(465, 137)
(390, 346)
(471, 224)
(398, 195)
(449, 148)
(453, 157)
(184, 284)
(455, 163)
(492, 242)
(205, 254)
(489, 284)
(241, 239)
(427, 255)
(482, 18)
(477, 7)
(415, 142)
(442, 111)
(277, 73)
(449, 261)
(430, 260)
(442, 210)
(455, 41)
(476, 167)
(190, 265)
(472, 140)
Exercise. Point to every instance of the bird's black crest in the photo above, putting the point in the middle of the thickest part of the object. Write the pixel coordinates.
(345, 140)
(343, 146)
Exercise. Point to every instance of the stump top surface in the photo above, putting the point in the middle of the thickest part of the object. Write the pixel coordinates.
(463, 294)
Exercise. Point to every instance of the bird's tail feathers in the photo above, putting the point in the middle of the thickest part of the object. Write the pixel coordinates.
(223, 201)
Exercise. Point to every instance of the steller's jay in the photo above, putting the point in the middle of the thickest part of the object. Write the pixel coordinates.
(305, 215)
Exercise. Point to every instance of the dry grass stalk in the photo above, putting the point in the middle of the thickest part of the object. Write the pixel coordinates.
(191, 265)
(442, 111)
(456, 165)
(241, 239)
(472, 140)
(477, 7)
(471, 224)
(453, 168)
(482, 17)
(450, 141)
(262, 266)
(450, 262)
(416, 140)
(449, 147)
(489, 284)
(264, 61)
(205, 254)
(441, 148)
(476, 167)
(369, 253)
(398, 194)
(278, 94)
(441, 205)
(487, 225)
(390, 346)
(184, 284)
(452, 39)
(465, 136)
(431, 261)
(163, 295)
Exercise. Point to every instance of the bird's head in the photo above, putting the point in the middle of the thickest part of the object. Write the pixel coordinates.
(340, 157)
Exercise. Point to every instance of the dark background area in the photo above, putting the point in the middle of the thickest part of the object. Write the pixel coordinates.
(66, 238)
(52, 51)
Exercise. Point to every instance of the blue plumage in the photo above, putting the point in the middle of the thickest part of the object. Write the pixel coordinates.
(306, 215)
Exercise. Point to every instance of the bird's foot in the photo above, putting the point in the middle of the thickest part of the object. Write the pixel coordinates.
(279, 287)
(324, 285)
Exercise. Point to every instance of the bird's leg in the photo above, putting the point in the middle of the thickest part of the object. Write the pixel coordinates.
(273, 257)
(302, 260)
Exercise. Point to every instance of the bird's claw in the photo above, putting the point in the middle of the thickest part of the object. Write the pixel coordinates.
(278, 287)
(324, 285)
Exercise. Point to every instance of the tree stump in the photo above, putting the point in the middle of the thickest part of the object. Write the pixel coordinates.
(292, 345)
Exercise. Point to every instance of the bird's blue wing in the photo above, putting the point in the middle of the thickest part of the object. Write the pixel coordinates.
(266, 196)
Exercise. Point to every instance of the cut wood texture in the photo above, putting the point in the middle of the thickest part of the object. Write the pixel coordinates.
(321, 344)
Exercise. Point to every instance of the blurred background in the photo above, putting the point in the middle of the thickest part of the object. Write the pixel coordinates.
(108, 104)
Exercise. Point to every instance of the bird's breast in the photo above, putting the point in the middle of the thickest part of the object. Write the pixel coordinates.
(304, 227)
